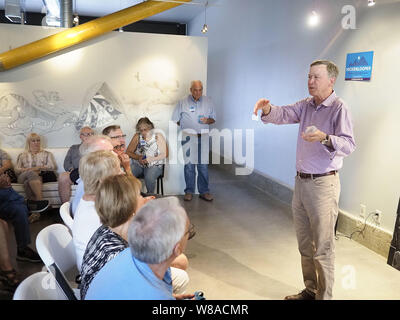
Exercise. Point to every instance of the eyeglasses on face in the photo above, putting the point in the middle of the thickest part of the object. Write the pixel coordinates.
(119, 147)
(191, 232)
(35, 140)
(119, 137)
(87, 134)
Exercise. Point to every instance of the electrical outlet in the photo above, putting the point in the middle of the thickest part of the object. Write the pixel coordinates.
(363, 210)
(377, 216)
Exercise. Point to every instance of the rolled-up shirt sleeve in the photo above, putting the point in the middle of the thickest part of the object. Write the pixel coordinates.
(68, 161)
(176, 115)
(342, 140)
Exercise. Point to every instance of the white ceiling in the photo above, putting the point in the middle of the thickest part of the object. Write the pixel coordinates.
(97, 8)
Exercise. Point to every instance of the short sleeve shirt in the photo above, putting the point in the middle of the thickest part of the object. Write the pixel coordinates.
(188, 113)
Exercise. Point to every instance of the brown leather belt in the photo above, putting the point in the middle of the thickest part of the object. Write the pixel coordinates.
(312, 176)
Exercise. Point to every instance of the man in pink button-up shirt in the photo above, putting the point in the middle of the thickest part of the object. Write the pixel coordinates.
(325, 137)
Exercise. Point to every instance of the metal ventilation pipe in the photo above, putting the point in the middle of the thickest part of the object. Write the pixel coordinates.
(66, 13)
(14, 10)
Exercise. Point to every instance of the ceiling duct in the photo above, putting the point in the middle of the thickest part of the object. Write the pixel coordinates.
(66, 13)
(59, 13)
(15, 10)
(53, 16)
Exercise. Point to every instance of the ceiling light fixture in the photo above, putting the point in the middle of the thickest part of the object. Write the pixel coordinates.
(313, 20)
(371, 3)
(205, 27)
(76, 20)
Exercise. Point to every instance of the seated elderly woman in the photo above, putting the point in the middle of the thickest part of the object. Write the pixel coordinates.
(148, 151)
(35, 166)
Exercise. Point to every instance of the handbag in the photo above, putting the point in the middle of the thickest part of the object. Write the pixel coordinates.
(48, 176)
(13, 177)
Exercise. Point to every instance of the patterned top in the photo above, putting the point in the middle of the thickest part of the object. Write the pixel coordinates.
(41, 159)
(103, 246)
(148, 148)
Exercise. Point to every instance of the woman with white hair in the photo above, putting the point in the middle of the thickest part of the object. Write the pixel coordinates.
(33, 166)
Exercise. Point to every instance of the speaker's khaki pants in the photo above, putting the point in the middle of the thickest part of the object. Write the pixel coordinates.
(315, 210)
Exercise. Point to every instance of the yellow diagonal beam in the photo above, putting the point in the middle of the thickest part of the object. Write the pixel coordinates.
(67, 38)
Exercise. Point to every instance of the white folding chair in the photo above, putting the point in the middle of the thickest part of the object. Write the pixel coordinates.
(54, 245)
(38, 286)
(66, 215)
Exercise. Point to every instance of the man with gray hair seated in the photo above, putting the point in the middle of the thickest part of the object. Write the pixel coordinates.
(157, 235)
(71, 164)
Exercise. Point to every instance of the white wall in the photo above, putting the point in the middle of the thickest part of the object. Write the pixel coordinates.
(262, 48)
(139, 74)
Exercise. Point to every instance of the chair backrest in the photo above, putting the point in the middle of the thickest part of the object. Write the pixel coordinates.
(162, 173)
(66, 215)
(54, 244)
(38, 286)
(62, 282)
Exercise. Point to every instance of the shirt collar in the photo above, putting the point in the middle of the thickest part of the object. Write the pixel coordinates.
(328, 101)
(191, 97)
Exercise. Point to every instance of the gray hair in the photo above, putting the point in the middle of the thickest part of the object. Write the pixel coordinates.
(93, 143)
(194, 81)
(155, 230)
(86, 127)
(333, 70)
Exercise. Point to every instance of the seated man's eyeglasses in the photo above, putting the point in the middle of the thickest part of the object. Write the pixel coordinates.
(87, 134)
(119, 137)
(119, 147)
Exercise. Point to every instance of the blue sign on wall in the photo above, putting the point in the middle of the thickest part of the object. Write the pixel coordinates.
(359, 66)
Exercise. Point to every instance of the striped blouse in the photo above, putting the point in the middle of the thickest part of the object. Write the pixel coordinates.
(103, 246)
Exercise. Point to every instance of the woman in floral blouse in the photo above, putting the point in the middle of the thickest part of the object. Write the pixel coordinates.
(31, 163)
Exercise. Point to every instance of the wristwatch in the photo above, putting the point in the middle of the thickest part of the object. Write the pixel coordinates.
(326, 140)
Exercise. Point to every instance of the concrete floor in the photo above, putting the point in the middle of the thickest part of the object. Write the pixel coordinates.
(245, 248)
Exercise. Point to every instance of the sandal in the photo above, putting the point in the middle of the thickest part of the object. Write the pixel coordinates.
(9, 279)
(34, 217)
